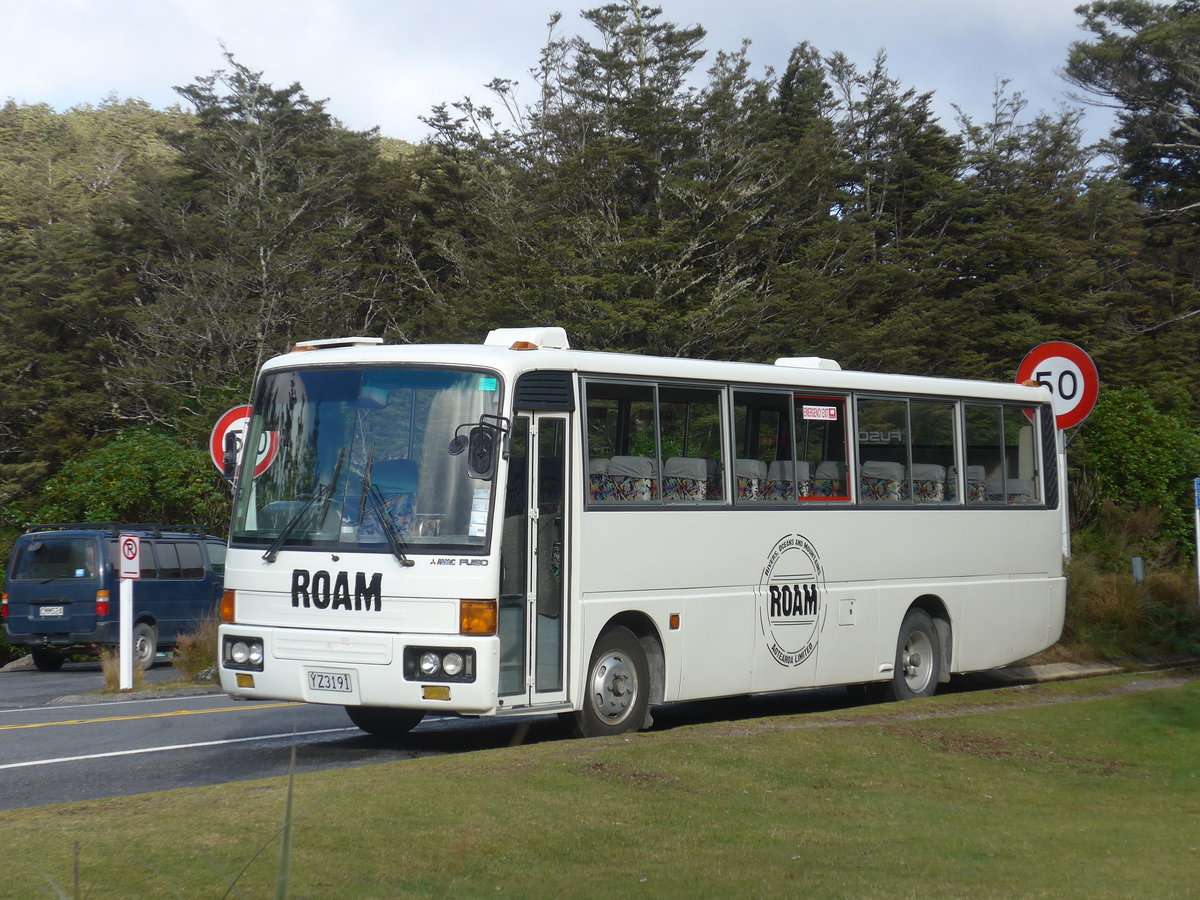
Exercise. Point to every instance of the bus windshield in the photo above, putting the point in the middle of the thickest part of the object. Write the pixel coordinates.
(358, 459)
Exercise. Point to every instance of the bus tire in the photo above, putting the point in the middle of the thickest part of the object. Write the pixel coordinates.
(918, 658)
(385, 722)
(617, 686)
(145, 645)
(47, 659)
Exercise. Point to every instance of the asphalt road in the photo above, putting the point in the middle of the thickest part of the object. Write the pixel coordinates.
(62, 742)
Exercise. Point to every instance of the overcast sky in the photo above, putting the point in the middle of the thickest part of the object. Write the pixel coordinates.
(386, 62)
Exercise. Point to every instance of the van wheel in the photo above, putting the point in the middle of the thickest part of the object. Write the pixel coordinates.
(385, 723)
(145, 645)
(47, 660)
(617, 688)
(918, 658)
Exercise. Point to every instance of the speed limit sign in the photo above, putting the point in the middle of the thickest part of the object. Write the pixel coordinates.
(1070, 375)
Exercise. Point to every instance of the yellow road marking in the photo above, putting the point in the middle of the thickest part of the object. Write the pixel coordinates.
(166, 715)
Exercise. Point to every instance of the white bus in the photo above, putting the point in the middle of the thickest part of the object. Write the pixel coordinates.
(521, 528)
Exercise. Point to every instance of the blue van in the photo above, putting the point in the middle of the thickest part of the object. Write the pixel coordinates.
(62, 589)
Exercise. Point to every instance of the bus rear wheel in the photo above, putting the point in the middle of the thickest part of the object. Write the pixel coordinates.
(918, 658)
(383, 722)
(617, 687)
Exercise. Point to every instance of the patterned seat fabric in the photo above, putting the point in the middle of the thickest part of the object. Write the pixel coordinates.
(751, 474)
(786, 480)
(928, 483)
(976, 478)
(632, 477)
(882, 482)
(829, 480)
(684, 478)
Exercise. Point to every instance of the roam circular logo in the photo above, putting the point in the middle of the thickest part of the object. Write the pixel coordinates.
(791, 600)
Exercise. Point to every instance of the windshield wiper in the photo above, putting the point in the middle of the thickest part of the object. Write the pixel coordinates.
(379, 505)
(323, 494)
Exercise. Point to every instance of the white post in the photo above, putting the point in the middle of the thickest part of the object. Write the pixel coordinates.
(125, 629)
(1197, 504)
(1064, 495)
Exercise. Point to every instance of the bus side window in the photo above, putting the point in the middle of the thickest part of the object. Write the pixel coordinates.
(763, 467)
(690, 442)
(622, 442)
(821, 448)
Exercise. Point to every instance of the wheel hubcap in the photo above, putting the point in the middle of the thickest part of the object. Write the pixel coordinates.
(614, 688)
(916, 661)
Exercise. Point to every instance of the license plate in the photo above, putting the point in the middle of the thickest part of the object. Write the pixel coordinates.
(337, 682)
(52, 612)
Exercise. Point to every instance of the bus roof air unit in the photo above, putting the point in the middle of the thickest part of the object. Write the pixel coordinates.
(809, 362)
(528, 338)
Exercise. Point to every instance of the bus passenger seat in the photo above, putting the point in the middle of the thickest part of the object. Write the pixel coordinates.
(751, 474)
(684, 478)
(633, 478)
(929, 483)
(786, 480)
(882, 482)
(1010, 490)
(830, 479)
(600, 486)
(976, 484)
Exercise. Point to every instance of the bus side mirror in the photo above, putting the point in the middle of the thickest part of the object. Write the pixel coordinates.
(481, 452)
(229, 457)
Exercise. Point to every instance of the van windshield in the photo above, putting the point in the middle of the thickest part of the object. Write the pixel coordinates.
(357, 459)
(47, 559)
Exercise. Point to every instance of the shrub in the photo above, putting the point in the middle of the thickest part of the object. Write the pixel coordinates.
(196, 651)
(141, 475)
(1132, 456)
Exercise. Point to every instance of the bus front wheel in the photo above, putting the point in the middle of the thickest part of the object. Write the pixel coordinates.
(918, 658)
(617, 687)
(385, 723)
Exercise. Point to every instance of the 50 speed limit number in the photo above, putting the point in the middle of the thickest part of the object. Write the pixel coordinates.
(1070, 375)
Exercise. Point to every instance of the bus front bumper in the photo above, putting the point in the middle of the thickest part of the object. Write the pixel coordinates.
(359, 669)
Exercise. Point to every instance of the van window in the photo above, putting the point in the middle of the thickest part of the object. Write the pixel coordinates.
(146, 555)
(168, 560)
(191, 563)
(46, 559)
(216, 556)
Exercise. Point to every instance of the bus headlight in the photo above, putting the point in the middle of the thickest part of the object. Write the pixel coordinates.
(439, 664)
(245, 653)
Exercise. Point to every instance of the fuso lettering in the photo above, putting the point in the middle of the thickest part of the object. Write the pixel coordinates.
(324, 591)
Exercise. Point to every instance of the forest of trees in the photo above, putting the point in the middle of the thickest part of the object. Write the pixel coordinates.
(652, 197)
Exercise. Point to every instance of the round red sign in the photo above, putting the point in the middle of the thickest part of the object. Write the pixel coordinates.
(1071, 376)
(234, 424)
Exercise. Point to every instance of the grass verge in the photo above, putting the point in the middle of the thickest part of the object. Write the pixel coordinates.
(1005, 793)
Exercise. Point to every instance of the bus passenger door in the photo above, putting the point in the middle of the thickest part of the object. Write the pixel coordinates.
(533, 590)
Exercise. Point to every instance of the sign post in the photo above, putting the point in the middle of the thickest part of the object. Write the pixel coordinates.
(1198, 532)
(130, 546)
(1074, 384)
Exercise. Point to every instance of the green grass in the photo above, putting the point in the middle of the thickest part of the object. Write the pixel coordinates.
(993, 794)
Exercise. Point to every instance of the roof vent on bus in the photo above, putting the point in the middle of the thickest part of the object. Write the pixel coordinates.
(528, 338)
(809, 362)
(334, 343)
